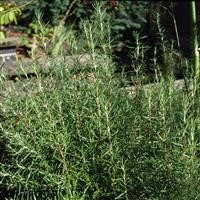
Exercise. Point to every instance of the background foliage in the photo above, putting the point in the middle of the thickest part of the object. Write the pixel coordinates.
(126, 16)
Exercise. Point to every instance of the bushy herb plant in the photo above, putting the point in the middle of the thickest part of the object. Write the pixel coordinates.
(77, 134)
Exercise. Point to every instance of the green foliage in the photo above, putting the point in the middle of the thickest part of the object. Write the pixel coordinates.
(8, 14)
(55, 10)
(58, 9)
(76, 134)
(126, 17)
(129, 15)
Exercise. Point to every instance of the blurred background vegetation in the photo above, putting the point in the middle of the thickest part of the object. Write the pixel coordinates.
(126, 17)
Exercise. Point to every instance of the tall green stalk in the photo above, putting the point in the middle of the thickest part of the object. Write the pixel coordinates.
(194, 40)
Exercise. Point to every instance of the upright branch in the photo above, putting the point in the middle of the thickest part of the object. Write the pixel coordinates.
(67, 14)
(194, 39)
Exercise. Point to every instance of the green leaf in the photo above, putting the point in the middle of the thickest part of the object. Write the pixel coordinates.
(2, 35)
(11, 16)
(4, 19)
